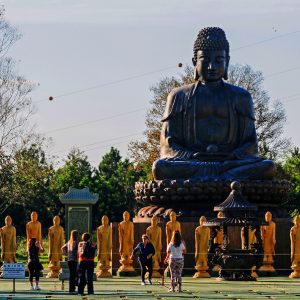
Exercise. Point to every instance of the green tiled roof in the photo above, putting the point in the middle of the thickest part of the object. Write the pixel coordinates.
(79, 196)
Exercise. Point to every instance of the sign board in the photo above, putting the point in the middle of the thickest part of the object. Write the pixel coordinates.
(13, 270)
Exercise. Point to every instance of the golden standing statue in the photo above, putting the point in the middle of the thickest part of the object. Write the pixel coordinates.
(219, 237)
(172, 226)
(268, 234)
(126, 241)
(154, 234)
(251, 237)
(56, 241)
(202, 235)
(34, 228)
(8, 241)
(295, 248)
(104, 246)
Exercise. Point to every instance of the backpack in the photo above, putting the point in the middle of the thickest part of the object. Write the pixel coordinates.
(89, 251)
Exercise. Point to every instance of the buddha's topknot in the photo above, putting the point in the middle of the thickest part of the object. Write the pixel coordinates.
(211, 38)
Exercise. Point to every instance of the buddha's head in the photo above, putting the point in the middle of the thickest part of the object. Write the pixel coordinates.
(56, 221)
(173, 216)
(126, 216)
(211, 55)
(297, 220)
(268, 216)
(105, 220)
(202, 220)
(154, 221)
(8, 220)
(34, 216)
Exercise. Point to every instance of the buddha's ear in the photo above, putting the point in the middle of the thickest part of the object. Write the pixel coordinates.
(226, 69)
(196, 75)
(194, 61)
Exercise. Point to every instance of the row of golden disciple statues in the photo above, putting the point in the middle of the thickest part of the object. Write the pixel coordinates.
(126, 243)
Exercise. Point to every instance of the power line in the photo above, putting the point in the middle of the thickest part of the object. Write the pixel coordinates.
(109, 83)
(283, 71)
(266, 40)
(95, 121)
(160, 70)
(101, 142)
(140, 109)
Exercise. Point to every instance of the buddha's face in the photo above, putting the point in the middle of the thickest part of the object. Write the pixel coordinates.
(126, 216)
(202, 220)
(268, 217)
(56, 220)
(34, 216)
(154, 221)
(297, 221)
(105, 220)
(211, 65)
(8, 221)
(173, 216)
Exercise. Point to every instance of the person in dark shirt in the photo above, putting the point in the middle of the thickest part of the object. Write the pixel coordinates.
(34, 265)
(146, 251)
(86, 264)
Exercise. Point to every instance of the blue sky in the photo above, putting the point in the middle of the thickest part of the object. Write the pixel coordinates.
(72, 45)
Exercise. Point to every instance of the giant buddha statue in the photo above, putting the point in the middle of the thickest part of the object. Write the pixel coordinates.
(208, 139)
(208, 129)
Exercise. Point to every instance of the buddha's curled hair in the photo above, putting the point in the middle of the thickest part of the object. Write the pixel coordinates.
(211, 38)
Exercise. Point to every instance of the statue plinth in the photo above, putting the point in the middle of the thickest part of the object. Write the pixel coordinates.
(156, 268)
(126, 268)
(192, 198)
(104, 271)
(267, 267)
(201, 272)
(296, 272)
(54, 270)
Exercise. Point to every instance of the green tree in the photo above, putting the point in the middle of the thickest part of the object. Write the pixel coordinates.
(292, 168)
(270, 118)
(76, 172)
(6, 181)
(114, 182)
(30, 187)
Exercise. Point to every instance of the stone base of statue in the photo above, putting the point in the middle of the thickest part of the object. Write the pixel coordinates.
(267, 267)
(104, 271)
(201, 272)
(295, 273)
(156, 274)
(54, 270)
(160, 197)
(254, 274)
(126, 268)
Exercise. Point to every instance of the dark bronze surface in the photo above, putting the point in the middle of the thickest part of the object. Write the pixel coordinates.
(208, 127)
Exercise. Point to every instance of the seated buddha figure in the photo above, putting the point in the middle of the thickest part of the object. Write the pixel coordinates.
(208, 129)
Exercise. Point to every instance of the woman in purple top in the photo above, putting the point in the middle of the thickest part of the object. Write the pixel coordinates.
(146, 251)
(70, 251)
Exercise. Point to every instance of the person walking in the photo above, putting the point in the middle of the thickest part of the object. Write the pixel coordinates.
(86, 254)
(34, 265)
(175, 251)
(146, 251)
(70, 250)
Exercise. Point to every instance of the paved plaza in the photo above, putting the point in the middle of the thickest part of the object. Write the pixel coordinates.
(130, 288)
